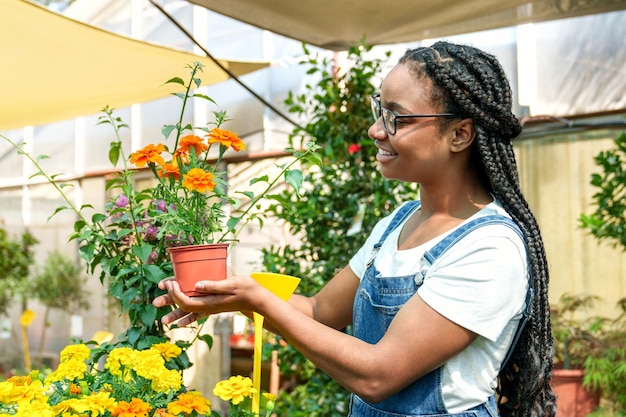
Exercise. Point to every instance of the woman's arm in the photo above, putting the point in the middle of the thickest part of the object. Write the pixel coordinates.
(418, 340)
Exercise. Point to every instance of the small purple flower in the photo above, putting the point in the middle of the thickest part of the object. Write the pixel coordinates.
(171, 241)
(152, 258)
(127, 240)
(122, 201)
(151, 233)
(160, 205)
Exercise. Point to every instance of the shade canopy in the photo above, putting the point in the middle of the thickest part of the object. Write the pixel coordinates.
(55, 68)
(338, 24)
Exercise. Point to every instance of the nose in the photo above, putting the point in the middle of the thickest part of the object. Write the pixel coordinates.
(376, 130)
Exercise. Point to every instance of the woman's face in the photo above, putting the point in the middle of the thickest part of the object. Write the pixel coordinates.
(419, 149)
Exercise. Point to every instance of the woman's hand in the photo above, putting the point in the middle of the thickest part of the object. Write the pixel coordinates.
(235, 293)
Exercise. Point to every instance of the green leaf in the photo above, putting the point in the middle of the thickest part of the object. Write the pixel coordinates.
(167, 129)
(206, 338)
(154, 273)
(148, 314)
(115, 149)
(175, 80)
(232, 222)
(248, 194)
(294, 178)
(142, 252)
(205, 97)
(134, 334)
(58, 209)
(127, 298)
(117, 289)
(264, 178)
(98, 217)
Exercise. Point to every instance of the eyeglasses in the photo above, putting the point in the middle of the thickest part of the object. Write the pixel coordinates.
(390, 117)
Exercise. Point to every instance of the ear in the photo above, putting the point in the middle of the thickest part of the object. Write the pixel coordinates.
(462, 135)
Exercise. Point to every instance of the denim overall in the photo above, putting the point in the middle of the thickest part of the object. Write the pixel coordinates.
(377, 301)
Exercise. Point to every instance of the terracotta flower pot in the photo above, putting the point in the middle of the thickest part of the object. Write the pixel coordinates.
(572, 399)
(195, 263)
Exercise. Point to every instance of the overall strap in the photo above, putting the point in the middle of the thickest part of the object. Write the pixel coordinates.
(449, 241)
(434, 253)
(405, 211)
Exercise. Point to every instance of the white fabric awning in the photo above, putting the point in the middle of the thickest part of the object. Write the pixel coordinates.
(55, 68)
(339, 24)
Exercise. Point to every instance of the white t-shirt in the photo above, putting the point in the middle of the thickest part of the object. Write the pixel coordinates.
(480, 283)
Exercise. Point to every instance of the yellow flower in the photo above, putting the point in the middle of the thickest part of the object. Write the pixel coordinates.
(135, 408)
(168, 350)
(79, 352)
(70, 370)
(149, 154)
(21, 389)
(34, 409)
(148, 363)
(118, 359)
(234, 389)
(269, 396)
(167, 379)
(188, 402)
(226, 138)
(199, 180)
(102, 402)
(95, 404)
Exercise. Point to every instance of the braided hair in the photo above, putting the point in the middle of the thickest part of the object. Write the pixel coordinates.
(471, 83)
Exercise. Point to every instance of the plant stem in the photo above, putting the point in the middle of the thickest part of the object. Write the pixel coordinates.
(179, 128)
(261, 195)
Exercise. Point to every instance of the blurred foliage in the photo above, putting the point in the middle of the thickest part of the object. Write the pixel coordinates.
(59, 283)
(608, 222)
(16, 258)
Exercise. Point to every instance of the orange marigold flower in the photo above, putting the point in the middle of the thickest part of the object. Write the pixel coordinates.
(226, 138)
(75, 389)
(169, 170)
(134, 408)
(192, 141)
(188, 402)
(149, 154)
(179, 154)
(162, 412)
(199, 180)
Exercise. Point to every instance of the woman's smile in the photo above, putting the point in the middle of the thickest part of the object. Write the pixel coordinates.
(385, 155)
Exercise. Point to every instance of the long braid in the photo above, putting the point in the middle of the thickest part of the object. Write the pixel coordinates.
(471, 83)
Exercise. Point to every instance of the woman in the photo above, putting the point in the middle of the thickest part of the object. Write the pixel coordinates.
(439, 293)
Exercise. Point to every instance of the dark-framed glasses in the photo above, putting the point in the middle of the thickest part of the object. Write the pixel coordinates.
(390, 117)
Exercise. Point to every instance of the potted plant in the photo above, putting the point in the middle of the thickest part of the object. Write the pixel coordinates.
(575, 339)
(186, 204)
(590, 356)
(605, 368)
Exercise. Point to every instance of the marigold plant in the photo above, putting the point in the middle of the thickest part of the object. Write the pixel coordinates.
(188, 201)
(119, 381)
(130, 383)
